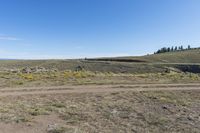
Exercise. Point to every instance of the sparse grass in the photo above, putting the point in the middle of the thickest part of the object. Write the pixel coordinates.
(58, 105)
(37, 111)
(18, 83)
(184, 60)
(169, 98)
(187, 56)
(110, 112)
(161, 111)
(19, 119)
(58, 130)
(86, 77)
(28, 77)
(78, 74)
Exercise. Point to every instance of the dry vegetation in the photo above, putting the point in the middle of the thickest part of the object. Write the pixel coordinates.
(180, 57)
(123, 111)
(169, 111)
(110, 111)
(59, 78)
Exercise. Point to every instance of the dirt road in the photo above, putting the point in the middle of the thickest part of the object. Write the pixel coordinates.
(94, 89)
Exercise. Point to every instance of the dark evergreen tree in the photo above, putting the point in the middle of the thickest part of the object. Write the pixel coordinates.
(172, 48)
(189, 47)
(176, 48)
(168, 49)
(181, 47)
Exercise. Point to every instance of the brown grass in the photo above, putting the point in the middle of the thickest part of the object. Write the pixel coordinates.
(171, 111)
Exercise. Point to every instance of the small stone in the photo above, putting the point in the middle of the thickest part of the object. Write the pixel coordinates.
(164, 107)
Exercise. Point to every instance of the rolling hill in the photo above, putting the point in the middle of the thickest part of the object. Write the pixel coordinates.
(186, 61)
(186, 56)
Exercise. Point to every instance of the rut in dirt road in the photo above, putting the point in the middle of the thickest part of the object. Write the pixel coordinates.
(95, 89)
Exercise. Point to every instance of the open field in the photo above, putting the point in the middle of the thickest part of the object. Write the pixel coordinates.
(108, 108)
(185, 61)
(60, 78)
(153, 93)
(88, 102)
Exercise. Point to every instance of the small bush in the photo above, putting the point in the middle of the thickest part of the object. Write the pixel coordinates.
(77, 74)
(56, 130)
(58, 105)
(27, 76)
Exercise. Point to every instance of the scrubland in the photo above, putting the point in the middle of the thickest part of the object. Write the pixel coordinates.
(60, 78)
(147, 94)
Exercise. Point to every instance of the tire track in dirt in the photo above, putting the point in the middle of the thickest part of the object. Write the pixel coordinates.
(95, 89)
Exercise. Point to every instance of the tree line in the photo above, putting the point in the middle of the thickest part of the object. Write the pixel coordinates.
(172, 49)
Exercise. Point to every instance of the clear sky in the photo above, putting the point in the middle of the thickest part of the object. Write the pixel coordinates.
(33, 29)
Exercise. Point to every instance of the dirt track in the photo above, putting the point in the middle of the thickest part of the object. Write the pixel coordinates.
(94, 89)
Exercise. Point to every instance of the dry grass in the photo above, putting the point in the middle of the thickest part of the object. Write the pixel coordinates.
(86, 77)
(171, 111)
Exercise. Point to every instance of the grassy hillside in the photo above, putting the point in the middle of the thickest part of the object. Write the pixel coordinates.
(188, 60)
(101, 66)
(187, 56)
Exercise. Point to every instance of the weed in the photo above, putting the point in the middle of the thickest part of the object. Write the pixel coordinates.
(29, 77)
(19, 119)
(56, 130)
(38, 111)
(58, 105)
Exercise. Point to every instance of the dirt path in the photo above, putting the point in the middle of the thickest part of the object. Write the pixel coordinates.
(94, 89)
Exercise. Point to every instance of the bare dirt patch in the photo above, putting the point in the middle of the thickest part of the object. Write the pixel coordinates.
(40, 124)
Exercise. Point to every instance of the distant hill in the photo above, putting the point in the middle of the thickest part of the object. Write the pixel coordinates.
(186, 61)
(186, 56)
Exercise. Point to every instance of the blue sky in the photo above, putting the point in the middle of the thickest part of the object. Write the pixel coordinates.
(50, 29)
